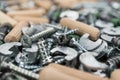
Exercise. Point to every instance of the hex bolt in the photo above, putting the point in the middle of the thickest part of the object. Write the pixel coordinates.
(6, 19)
(20, 70)
(33, 13)
(82, 28)
(15, 34)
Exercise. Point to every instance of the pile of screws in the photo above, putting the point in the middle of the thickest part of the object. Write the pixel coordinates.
(82, 35)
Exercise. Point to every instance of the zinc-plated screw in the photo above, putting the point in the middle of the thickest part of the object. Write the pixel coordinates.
(43, 33)
(30, 66)
(50, 43)
(70, 32)
(20, 70)
(28, 40)
(112, 63)
(46, 58)
(74, 42)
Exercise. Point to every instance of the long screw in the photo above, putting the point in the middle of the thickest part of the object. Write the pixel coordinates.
(43, 33)
(20, 70)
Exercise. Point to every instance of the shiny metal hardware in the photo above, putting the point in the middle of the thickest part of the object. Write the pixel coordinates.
(44, 55)
(78, 45)
(69, 52)
(28, 55)
(61, 37)
(89, 61)
(20, 70)
(95, 46)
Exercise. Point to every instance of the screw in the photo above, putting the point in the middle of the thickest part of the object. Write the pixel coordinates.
(46, 58)
(20, 70)
(43, 33)
(50, 43)
(112, 63)
(74, 42)
(28, 40)
(59, 61)
(30, 66)
(62, 37)
(70, 32)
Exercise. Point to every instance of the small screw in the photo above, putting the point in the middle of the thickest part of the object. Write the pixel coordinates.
(50, 43)
(74, 42)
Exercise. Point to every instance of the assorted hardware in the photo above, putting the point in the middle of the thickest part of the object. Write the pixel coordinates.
(59, 40)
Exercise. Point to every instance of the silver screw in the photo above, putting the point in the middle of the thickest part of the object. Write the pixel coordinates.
(31, 66)
(46, 58)
(20, 70)
(43, 33)
(27, 40)
(71, 32)
(50, 43)
(74, 42)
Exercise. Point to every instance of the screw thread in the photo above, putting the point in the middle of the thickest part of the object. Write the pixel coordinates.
(20, 70)
(114, 60)
(43, 33)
